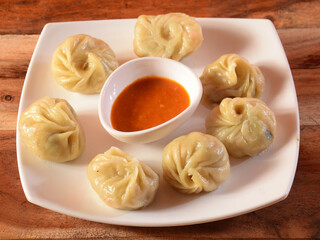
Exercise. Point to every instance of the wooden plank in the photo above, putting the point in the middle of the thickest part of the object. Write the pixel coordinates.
(17, 47)
(302, 47)
(275, 221)
(308, 91)
(29, 17)
(16, 52)
(298, 25)
(10, 91)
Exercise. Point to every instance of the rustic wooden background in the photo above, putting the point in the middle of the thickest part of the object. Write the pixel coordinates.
(298, 25)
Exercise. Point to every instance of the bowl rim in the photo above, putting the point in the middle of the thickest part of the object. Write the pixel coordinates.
(194, 102)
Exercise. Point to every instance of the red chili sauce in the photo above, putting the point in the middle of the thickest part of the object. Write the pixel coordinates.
(148, 102)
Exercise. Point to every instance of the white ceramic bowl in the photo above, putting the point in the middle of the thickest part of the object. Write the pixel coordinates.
(142, 67)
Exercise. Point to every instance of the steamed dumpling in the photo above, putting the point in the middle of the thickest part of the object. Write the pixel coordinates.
(50, 129)
(121, 180)
(230, 76)
(246, 126)
(173, 35)
(83, 63)
(195, 162)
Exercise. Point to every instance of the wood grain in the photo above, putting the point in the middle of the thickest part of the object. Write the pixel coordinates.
(29, 17)
(303, 55)
(16, 52)
(267, 222)
(298, 25)
(302, 47)
(297, 216)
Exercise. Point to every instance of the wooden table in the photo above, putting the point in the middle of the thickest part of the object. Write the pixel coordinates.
(298, 25)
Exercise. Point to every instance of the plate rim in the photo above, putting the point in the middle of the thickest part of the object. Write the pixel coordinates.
(72, 213)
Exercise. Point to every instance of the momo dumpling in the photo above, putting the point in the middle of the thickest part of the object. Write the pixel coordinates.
(83, 63)
(246, 126)
(50, 129)
(230, 76)
(172, 35)
(195, 162)
(121, 180)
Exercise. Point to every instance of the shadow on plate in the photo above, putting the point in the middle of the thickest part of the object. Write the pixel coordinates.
(286, 130)
(216, 42)
(98, 140)
(275, 79)
(124, 60)
(258, 166)
(283, 136)
(167, 197)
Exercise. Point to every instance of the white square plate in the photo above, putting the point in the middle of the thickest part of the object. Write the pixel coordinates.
(253, 183)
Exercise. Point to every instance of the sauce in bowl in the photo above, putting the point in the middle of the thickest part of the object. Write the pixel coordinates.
(148, 102)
